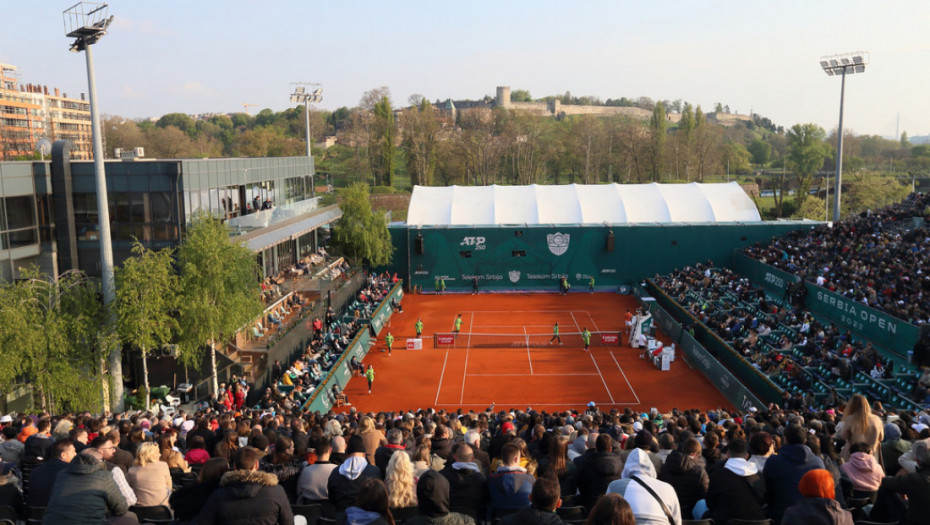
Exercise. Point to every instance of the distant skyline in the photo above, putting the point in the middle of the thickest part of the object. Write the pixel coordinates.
(211, 56)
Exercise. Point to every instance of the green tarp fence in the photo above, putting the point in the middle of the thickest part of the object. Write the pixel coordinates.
(717, 349)
(885, 331)
(728, 385)
(383, 312)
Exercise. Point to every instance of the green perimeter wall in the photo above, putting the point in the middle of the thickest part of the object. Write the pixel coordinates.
(640, 251)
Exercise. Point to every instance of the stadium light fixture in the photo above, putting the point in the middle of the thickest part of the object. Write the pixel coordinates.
(86, 23)
(842, 65)
(300, 95)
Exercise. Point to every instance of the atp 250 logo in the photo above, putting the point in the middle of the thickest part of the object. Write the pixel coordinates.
(475, 242)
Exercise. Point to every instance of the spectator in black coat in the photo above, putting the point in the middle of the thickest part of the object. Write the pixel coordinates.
(247, 496)
(42, 478)
(916, 486)
(546, 500)
(395, 443)
(736, 491)
(468, 489)
(39, 445)
(10, 496)
(440, 444)
(595, 473)
(187, 501)
(345, 481)
(689, 479)
(783, 472)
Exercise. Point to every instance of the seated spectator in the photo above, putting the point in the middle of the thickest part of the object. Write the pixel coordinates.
(598, 471)
(42, 478)
(169, 453)
(545, 499)
(468, 490)
(864, 472)
(11, 449)
(311, 485)
(784, 470)
(283, 465)
(189, 499)
(557, 464)
(736, 491)
(689, 479)
(10, 495)
(433, 503)
(38, 445)
(892, 448)
(196, 453)
(818, 505)
(84, 492)
(915, 486)
(656, 504)
(400, 483)
(149, 477)
(344, 482)
(395, 443)
(510, 486)
(761, 446)
(611, 509)
(371, 505)
(247, 495)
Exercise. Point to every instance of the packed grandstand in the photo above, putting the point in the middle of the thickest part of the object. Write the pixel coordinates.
(848, 440)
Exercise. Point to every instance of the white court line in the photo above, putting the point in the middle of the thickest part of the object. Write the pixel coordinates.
(439, 388)
(524, 375)
(524, 403)
(624, 377)
(467, 348)
(592, 321)
(514, 325)
(575, 321)
(528, 356)
(591, 354)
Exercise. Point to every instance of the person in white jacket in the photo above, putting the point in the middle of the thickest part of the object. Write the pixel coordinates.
(648, 510)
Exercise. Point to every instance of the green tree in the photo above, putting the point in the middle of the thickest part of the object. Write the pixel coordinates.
(421, 135)
(383, 162)
(520, 95)
(761, 151)
(657, 128)
(178, 120)
(219, 289)
(806, 153)
(53, 337)
(813, 208)
(361, 233)
(146, 300)
(905, 142)
(736, 157)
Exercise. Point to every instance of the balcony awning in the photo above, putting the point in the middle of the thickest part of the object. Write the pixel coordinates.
(267, 237)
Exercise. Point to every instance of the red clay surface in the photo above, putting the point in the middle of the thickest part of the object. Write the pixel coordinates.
(546, 378)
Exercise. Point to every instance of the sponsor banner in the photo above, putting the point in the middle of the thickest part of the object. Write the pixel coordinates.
(665, 323)
(445, 339)
(882, 329)
(774, 281)
(414, 344)
(610, 339)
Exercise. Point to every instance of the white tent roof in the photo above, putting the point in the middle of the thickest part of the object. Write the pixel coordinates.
(580, 204)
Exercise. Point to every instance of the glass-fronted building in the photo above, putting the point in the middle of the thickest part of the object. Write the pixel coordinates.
(48, 210)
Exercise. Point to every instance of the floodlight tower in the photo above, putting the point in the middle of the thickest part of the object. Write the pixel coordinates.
(300, 95)
(842, 65)
(86, 23)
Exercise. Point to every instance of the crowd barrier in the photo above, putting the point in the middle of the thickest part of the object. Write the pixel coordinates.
(749, 379)
(883, 330)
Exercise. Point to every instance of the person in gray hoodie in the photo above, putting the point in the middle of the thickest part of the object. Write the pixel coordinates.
(345, 482)
(639, 473)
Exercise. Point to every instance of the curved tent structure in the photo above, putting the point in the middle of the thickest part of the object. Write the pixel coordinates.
(581, 204)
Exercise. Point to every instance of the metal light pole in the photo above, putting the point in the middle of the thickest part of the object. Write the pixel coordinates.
(300, 95)
(87, 22)
(842, 65)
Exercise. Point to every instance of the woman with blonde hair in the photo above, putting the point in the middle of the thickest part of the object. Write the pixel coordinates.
(859, 425)
(149, 477)
(401, 485)
(371, 437)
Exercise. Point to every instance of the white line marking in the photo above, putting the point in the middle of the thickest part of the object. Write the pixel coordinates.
(523, 403)
(472, 321)
(591, 354)
(528, 356)
(591, 317)
(464, 375)
(439, 388)
(524, 375)
(575, 321)
(624, 377)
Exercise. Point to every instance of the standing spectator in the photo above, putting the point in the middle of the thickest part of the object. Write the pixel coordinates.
(468, 489)
(859, 425)
(433, 502)
(611, 509)
(510, 486)
(344, 482)
(84, 492)
(818, 506)
(736, 491)
(652, 501)
(247, 495)
(149, 477)
(42, 478)
(783, 471)
(598, 471)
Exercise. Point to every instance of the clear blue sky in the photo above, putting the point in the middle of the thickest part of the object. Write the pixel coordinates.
(197, 56)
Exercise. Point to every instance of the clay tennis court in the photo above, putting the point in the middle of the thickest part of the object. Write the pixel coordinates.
(502, 356)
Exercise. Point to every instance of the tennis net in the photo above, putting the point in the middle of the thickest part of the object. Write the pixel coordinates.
(524, 340)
